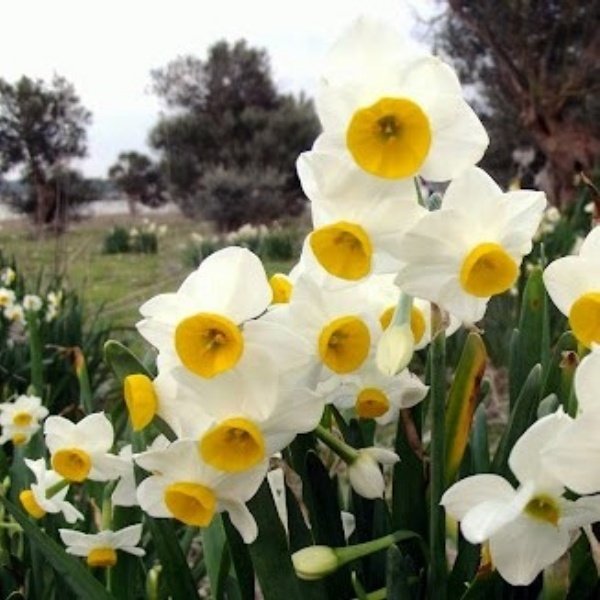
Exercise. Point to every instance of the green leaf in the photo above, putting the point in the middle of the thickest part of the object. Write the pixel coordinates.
(213, 546)
(522, 416)
(127, 577)
(240, 558)
(462, 401)
(397, 575)
(532, 344)
(270, 554)
(480, 450)
(179, 578)
(75, 575)
(123, 361)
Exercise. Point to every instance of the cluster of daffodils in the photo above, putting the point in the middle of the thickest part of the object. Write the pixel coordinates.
(15, 307)
(21, 418)
(245, 363)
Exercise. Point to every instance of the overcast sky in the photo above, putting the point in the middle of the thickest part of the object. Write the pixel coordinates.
(107, 49)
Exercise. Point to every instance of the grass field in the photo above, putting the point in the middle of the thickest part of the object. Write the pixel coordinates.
(119, 283)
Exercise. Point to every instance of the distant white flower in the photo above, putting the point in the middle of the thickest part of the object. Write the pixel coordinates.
(100, 549)
(7, 297)
(32, 303)
(14, 313)
(21, 419)
(7, 276)
(35, 500)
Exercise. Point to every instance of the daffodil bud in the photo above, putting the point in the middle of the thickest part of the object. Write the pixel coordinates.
(395, 349)
(364, 473)
(315, 562)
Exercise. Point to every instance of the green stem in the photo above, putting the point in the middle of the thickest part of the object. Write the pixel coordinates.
(343, 450)
(347, 554)
(35, 352)
(403, 310)
(437, 519)
(54, 489)
(85, 389)
(420, 198)
(377, 594)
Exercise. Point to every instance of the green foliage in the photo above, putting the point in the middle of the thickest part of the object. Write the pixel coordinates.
(142, 240)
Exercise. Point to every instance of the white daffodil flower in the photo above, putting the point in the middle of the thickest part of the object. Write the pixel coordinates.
(210, 325)
(32, 303)
(374, 395)
(21, 419)
(336, 326)
(100, 549)
(47, 495)
(364, 473)
(184, 487)
(358, 220)
(14, 313)
(470, 249)
(241, 418)
(396, 114)
(573, 455)
(81, 451)
(573, 283)
(7, 297)
(529, 528)
(7, 276)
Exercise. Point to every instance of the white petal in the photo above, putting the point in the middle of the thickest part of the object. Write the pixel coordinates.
(106, 467)
(525, 459)
(521, 550)
(587, 382)
(240, 487)
(71, 537)
(584, 511)
(95, 433)
(473, 187)
(128, 536)
(150, 495)
(242, 520)
(591, 245)
(471, 491)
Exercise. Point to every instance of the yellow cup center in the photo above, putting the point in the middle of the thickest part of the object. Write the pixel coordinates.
(417, 321)
(72, 463)
(22, 419)
(208, 344)
(488, 270)
(390, 138)
(191, 503)
(584, 318)
(233, 445)
(102, 557)
(281, 287)
(31, 505)
(343, 249)
(344, 344)
(18, 439)
(543, 508)
(371, 403)
(141, 400)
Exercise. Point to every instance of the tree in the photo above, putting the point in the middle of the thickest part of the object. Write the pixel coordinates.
(42, 127)
(536, 68)
(139, 179)
(226, 115)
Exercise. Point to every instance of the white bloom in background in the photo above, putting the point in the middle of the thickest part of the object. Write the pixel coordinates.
(7, 297)
(470, 249)
(14, 313)
(529, 528)
(364, 473)
(374, 395)
(100, 549)
(7, 276)
(32, 303)
(573, 456)
(241, 418)
(184, 487)
(35, 500)
(210, 325)
(81, 451)
(358, 220)
(396, 114)
(21, 419)
(573, 283)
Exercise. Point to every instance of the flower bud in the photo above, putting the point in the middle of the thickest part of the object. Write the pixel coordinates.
(395, 349)
(364, 473)
(315, 562)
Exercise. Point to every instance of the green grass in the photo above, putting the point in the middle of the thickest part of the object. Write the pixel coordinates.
(119, 283)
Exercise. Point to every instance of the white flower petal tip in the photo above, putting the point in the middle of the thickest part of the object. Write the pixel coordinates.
(395, 349)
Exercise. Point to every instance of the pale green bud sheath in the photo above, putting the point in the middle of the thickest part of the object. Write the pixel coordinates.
(397, 343)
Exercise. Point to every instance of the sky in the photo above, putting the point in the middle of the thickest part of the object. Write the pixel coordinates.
(107, 49)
